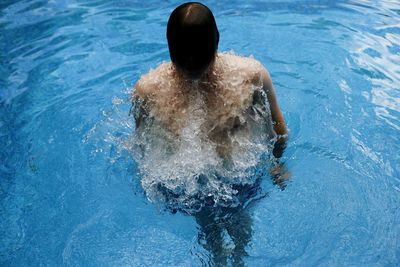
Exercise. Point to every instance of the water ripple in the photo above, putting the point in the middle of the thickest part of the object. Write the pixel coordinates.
(70, 194)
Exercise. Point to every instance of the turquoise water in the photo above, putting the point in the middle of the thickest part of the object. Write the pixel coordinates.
(70, 192)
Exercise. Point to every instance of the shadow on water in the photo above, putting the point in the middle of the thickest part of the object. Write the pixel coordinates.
(224, 233)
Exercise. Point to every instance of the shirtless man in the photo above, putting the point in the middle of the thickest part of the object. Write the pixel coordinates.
(231, 87)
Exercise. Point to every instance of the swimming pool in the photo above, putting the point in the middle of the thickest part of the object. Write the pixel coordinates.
(70, 194)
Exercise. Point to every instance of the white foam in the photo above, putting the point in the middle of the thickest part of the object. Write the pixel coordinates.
(183, 169)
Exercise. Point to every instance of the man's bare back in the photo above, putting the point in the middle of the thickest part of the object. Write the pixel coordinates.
(236, 95)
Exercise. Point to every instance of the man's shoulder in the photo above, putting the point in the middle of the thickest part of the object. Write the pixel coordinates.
(240, 65)
(231, 58)
(150, 82)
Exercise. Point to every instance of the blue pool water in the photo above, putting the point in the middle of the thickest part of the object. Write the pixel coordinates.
(70, 194)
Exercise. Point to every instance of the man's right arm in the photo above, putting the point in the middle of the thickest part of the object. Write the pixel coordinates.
(277, 117)
(279, 173)
(276, 114)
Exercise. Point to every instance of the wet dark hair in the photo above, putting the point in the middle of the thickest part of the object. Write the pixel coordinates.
(192, 37)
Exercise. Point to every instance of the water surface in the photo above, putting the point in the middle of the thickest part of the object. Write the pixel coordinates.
(71, 195)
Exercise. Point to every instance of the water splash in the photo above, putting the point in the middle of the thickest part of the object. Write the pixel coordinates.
(185, 170)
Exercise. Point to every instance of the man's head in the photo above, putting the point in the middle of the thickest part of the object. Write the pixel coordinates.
(192, 38)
